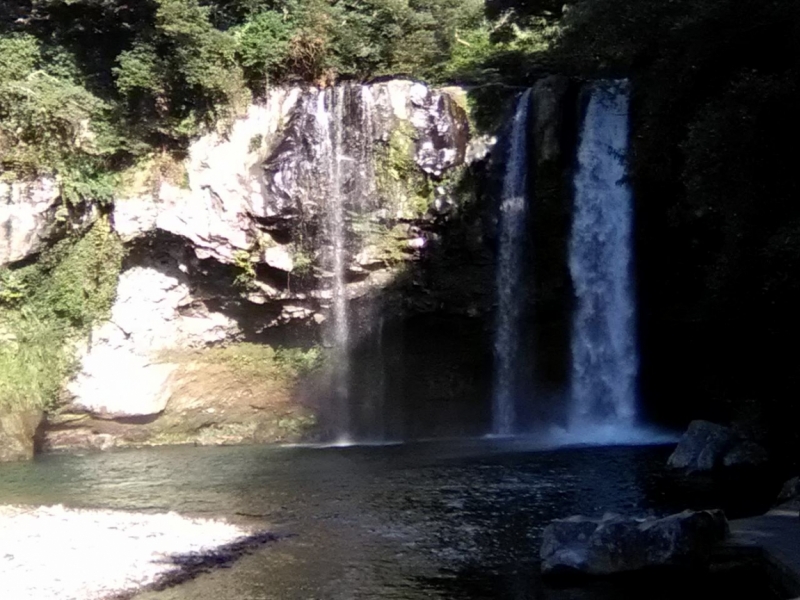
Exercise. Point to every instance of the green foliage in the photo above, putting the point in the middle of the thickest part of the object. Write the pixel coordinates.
(401, 184)
(47, 307)
(260, 361)
(246, 270)
(89, 87)
(46, 118)
(302, 260)
(263, 45)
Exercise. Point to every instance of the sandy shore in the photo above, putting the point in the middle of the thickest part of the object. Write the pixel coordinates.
(56, 553)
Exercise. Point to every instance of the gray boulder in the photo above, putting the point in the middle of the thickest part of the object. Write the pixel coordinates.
(616, 544)
(708, 446)
(790, 491)
(17, 432)
(27, 217)
(745, 454)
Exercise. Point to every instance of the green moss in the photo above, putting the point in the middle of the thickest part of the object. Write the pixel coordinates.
(245, 269)
(48, 307)
(302, 260)
(255, 362)
(401, 184)
(255, 143)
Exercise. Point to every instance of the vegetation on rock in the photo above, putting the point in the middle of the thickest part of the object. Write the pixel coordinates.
(47, 308)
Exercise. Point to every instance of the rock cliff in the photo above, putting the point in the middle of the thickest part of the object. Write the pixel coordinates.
(235, 247)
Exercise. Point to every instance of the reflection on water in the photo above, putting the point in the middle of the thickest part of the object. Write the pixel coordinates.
(434, 520)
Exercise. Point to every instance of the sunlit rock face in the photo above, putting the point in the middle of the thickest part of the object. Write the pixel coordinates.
(122, 374)
(271, 165)
(243, 247)
(27, 217)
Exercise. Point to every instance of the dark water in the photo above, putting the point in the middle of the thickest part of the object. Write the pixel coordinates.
(437, 520)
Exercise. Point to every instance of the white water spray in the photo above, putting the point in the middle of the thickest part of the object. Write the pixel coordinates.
(604, 355)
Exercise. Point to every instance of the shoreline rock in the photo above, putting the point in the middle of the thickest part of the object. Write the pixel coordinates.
(615, 544)
(707, 447)
(18, 428)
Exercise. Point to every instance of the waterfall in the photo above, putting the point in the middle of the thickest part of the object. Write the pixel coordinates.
(513, 213)
(603, 338)
(331, 155)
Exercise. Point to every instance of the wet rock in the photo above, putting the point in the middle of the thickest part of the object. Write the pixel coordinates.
(745, 454)
(17, 432)
(548, 94)
(371, 257)
(443, 133)
(790, 491)
(358, 120)
(27, 217)
(616, 544)
(708, 446)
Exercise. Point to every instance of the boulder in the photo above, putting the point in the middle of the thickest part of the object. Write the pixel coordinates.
(17, 433)
(124, 371)
(27, 217)
(745, 454)
(549, 94)
(790, 491)
(708, 446)
(616, 544)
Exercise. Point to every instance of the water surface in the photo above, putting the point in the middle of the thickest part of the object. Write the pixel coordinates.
(429, 520)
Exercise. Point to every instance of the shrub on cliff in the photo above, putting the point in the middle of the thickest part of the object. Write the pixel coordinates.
(47, 307)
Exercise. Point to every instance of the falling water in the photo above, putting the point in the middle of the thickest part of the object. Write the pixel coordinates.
(603, 339)
(513, 211)
(330, 155)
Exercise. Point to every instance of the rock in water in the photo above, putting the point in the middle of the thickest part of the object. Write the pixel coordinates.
(707, 446)
(745, 454)
(616, 544)
(790, 491)
(702, 446)
(17, 432)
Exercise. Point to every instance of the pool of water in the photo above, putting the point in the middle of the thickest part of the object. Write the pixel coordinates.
(455, 519)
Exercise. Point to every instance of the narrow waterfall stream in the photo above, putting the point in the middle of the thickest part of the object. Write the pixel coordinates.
(513, 213)
(331, 129)
(604, 354)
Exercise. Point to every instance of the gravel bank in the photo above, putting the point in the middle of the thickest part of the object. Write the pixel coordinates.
(56, 553)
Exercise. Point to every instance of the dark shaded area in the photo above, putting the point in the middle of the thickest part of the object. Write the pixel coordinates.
(715, 91)
(521, 583)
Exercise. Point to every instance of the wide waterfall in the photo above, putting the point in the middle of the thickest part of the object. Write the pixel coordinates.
(513, 221)
(604, 352)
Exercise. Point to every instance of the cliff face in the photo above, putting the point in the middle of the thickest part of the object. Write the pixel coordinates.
(233, 252)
